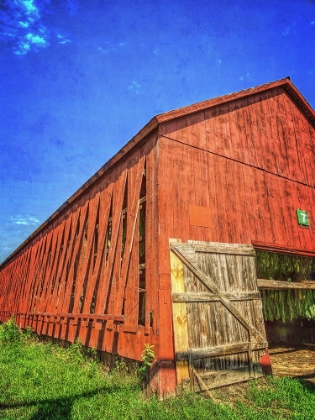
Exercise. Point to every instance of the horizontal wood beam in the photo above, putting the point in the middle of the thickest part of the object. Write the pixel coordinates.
(212, 297)
(227, 250)
(217, 379)
(104, 317)
(284, 285)
(199, 353)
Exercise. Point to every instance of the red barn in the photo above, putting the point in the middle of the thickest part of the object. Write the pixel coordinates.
(223, 178)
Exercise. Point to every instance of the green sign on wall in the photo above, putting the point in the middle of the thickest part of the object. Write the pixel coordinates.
(302, 216)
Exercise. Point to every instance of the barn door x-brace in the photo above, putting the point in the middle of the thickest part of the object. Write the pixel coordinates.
(219, 332)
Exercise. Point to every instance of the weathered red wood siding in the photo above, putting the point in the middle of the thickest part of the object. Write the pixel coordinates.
(250, 162)
(246, 166)
(62, 270)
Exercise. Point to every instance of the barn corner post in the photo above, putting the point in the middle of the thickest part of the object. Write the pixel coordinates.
(163, 372)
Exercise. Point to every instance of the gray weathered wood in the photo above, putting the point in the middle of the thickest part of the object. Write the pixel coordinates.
(211, 297)
(249, 251)
(214, 289)
(202, 353)
(226, 333)
(284, 285)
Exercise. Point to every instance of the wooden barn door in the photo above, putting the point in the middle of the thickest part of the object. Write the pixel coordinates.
(219, 332)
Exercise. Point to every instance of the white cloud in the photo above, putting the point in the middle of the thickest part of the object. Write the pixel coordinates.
(24, 220)
(134, 87)
(29, 7)
(24, 24)
(30, 40)
(63, 39)
(104, 50)
(23, 29)
(36, 39)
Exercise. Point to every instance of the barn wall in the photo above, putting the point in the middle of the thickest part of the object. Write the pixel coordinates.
(67, 267)
(234, 173)
(242, 203)
(264, 130)
(237, 173)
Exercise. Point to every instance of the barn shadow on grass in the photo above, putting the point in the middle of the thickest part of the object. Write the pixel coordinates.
(56, 408)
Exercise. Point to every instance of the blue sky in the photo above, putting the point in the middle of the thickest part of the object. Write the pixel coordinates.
(79, 78)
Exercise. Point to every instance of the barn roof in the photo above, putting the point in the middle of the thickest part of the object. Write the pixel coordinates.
(285, 83)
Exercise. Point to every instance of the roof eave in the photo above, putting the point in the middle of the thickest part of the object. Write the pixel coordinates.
(210, 103)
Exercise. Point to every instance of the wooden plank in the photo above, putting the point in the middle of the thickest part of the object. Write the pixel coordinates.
(151, 239)
(203, 353)
(272, 211)
(282, 285)
(86, 255)
(224, 138)
(237, 149)
(104, 284)
(220, 378)
(56, 254)
(246, 250)
(133, 210)
(211, 297)
(278, 143)
(179, 317)
(305, 144)
(289, 136)
(256, 335)
(100, 317)
(251, 131)
(266, 135)
(73, 272)
(203, 385)
(70, 246)
(61, 263)
(104, 208)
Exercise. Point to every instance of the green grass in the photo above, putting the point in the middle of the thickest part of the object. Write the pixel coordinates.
(44, 381)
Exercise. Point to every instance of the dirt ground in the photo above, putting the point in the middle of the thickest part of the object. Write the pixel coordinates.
(296, 362)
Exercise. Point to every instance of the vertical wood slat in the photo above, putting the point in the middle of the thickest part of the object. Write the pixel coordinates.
(68, 250)
(105, 281)
(86, 259)
(59, 231)
(45, 278)
(179, 316)
(105, 202)
(78, 237)
(49, 263)
(35, 280)
(69, 247)
(130, 235)
(43, 271)
(28, 279)
(60, 256)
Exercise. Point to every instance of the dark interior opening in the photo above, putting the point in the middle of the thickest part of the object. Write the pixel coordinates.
(289, 313)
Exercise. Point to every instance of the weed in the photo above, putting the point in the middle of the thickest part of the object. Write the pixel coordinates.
(147, 357)
(120, 365)
(10, 332)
